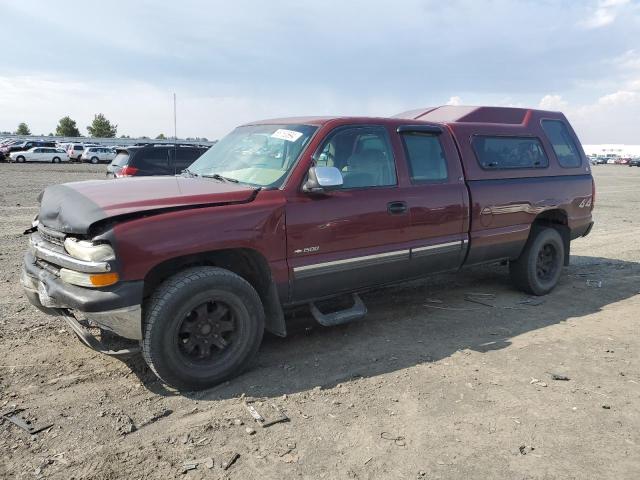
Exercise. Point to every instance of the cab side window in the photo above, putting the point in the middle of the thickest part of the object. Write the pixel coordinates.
(363, 156)
(425, 157)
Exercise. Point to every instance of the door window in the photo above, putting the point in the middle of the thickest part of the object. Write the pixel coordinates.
(184, 157)
(363, 156)
(155, 160)
(425, 157)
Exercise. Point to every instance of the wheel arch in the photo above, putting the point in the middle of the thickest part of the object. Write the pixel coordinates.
(247, 263)
(557, 219)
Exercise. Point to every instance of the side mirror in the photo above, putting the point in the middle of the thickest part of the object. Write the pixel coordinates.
(322, 179)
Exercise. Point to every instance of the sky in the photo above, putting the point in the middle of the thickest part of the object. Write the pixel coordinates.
(233, 62)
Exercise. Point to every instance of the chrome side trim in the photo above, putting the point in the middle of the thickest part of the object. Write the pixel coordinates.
(348, 263)
(66, 261)
(437, 246)
(305, 271)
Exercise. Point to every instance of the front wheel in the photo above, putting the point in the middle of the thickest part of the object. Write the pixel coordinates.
(538, 268)
(201, 327)
(94, 160)
(55, 160)
(20, 159)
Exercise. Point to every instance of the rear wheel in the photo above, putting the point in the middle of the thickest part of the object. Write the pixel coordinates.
(202, 326)
(55, 160)
(538, 268)
(94, 160)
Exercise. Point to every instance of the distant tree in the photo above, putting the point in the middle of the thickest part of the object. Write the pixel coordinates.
(101, 127)
(125, 136)
(51, 134)
(161, 137)
(67, 128)
(23, 129)
(144, 137)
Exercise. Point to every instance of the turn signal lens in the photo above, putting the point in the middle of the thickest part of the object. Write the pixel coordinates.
(104, 279)
(92, 280)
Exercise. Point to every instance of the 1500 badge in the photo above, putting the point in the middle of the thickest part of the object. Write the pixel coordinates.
(307, 249)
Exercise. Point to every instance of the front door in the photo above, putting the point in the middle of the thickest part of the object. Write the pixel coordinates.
(354, 237)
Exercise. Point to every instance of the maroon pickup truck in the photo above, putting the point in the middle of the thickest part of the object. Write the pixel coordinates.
(279, 213)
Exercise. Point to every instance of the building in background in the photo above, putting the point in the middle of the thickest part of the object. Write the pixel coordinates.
(612, 150)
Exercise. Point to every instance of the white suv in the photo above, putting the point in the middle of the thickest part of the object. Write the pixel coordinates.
(74, 150)
(97, 154)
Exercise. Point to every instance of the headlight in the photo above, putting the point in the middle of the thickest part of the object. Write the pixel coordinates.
(88, 279)
(89, 251)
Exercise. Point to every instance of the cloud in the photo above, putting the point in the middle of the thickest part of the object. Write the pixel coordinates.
(604, 14)
(277, 58)
(610, 118)
(552, 102)
(454, 101)
(620, 97)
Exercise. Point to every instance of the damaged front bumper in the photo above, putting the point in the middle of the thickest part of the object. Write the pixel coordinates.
(116, 309)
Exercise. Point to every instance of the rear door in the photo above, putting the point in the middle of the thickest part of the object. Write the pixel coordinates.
(35, 156)
(437, 199)
(354, 237)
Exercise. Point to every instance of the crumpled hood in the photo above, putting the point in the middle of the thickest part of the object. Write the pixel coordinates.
(74, 207)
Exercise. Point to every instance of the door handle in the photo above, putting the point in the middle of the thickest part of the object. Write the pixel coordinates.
(396, 208)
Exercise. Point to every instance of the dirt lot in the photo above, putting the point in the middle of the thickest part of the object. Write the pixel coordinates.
(429, 385)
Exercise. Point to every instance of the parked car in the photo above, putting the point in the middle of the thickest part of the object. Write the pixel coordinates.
(285, 213)
(634, 162)
(75, 151)
(150, 159)
(40, 154)
(97, 155)
(24, 145)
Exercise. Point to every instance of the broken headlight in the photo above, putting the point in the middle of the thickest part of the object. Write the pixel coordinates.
(89, 251)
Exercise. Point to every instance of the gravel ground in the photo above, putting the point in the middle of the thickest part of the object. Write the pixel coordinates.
(429, 385)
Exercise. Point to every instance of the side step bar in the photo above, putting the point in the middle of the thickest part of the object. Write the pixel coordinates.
(356, 312)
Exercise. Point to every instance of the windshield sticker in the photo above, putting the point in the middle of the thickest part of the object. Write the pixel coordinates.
(288, 135)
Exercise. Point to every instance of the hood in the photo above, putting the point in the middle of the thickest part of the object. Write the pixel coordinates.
(74, 207)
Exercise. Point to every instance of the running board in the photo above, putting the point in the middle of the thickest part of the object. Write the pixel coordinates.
(356, 312)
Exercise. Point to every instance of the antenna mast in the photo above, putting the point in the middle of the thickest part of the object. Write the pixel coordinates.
(175, 128)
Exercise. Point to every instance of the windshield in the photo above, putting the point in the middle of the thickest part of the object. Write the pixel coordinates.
(260, 155)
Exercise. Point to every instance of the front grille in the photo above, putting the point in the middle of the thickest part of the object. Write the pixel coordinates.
(51, 236)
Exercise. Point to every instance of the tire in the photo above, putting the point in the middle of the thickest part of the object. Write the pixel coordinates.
(55, 160)
(186, 328)
(539, 266)
(20, 159)
(94, 160)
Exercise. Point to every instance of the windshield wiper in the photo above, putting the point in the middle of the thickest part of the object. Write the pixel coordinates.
(221, 178)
